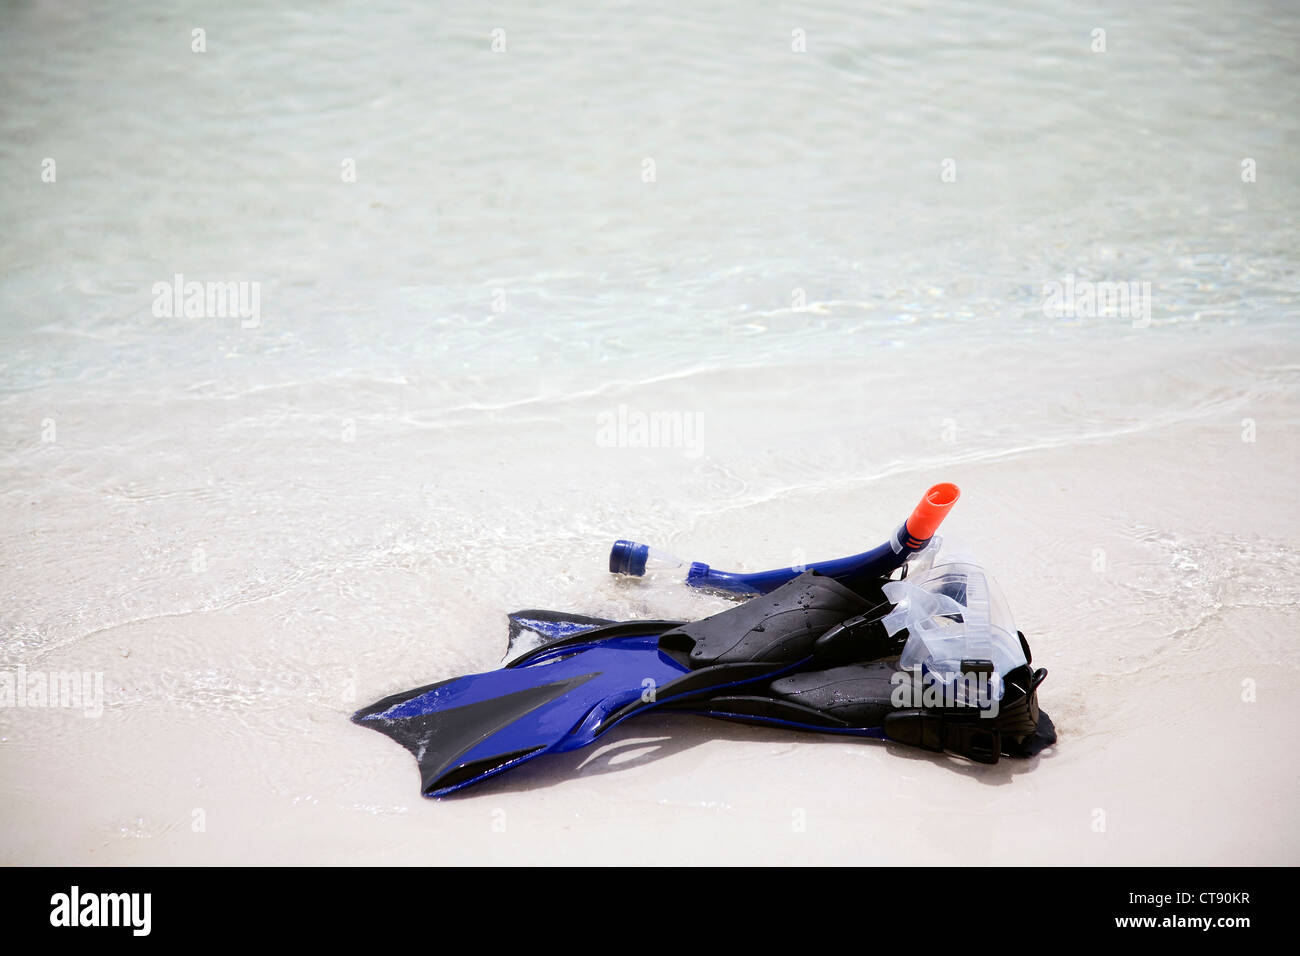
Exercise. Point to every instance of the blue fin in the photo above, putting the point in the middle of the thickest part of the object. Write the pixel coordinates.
(565, 693)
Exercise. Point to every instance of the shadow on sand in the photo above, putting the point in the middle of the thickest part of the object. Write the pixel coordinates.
(665, 734)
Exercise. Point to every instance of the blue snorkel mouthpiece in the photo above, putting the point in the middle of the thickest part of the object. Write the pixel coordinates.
(628, 557)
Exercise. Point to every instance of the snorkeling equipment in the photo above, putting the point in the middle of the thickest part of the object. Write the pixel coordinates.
(631, 558)
(838, 647)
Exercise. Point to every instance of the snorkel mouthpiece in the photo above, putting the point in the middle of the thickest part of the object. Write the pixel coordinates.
(628, 557)
(631, 558)
(929, 514)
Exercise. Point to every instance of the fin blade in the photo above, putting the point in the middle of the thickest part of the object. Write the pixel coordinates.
(534, 628)
(455, 746)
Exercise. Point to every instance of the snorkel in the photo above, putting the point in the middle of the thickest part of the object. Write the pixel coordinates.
(912, 536)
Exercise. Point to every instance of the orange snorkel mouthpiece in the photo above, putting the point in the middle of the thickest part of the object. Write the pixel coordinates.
(929, 514)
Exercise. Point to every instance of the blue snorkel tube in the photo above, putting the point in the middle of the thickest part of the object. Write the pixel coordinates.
(628, 557)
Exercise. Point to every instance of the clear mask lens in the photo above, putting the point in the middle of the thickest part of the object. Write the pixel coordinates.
(955, 616)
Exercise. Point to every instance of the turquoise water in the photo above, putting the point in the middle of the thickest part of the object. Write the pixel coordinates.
(505, 269)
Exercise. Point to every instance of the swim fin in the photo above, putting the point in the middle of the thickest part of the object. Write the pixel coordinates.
(854, 690)
(862, 700)
(562, 695)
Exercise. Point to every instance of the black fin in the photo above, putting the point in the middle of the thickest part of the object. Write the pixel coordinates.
(781, 626)
(857, 695)
(438, 738)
